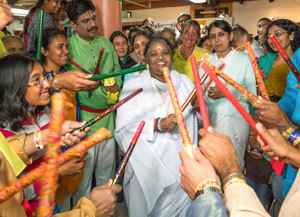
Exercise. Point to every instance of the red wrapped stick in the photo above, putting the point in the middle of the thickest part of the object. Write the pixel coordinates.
(200, 95)
(259, 79)
(286, 58)
(34, 175)
(187, 143)
(99, 61)
(232, 82)
(277, 166)
(129, 151)
(79, 66)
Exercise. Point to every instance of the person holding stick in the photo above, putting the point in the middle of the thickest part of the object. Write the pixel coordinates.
(273, 64)
(151, 180)
(85, 47)
(224, 117)
(26, 111)
(31, 25)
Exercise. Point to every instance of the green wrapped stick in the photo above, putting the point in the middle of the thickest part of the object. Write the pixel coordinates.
(119, 72)
(40, 35)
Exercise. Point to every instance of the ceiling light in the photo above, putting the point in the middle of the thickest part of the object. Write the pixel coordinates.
(19, 12)
(198, 1)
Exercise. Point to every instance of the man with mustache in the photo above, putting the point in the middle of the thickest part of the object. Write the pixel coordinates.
(85, 47)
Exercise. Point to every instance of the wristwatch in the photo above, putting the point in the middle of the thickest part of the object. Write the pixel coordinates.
(209, 189)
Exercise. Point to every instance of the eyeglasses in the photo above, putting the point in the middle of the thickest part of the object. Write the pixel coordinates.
(40, 82)
(276, 34)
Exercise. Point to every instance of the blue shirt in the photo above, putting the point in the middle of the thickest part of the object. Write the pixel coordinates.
(290, 103)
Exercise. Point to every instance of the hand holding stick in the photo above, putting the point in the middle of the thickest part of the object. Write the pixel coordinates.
(129, 151)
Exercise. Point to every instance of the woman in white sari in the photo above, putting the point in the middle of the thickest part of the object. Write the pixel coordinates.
(225, 118)
(152, 178)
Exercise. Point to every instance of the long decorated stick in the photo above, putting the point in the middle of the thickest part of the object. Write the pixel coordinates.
(40, 34)
(107, 111)
(259, 79)
(129, 151)
(79, 66)
(78, 150)
(200, 95)
(194, 91)
(187, 143)
(49, 179)
(98, 66)
(232, 82)
(99, 61)
(119, 72)
(278, 166)
(286, 58)
(192, 94)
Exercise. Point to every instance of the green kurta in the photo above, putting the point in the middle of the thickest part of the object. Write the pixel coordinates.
(86, 54)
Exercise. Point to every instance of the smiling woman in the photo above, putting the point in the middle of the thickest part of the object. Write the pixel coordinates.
(151, 182)
(190, 34)
(121, 46)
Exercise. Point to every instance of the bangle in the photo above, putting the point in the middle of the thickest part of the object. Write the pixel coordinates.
(210, 185)
(37, 137)
(231, 177)
(289, 131)
(294, 138)
(158, 125)
(54, 82)
(234, 181)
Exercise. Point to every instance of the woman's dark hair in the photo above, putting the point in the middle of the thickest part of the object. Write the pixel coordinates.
(290, 27)
(148, 28)
(15, 70)
(48, 35)
(75, 8)
(155, 39)
(147, 34)
(133, 29)
(116, 34)
(202, 40)
(222, 24)
(193, 23)
(38, 5)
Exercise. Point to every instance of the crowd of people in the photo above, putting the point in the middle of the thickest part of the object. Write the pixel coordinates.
(231, 172)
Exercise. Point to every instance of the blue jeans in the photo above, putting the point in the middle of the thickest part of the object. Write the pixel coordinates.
(263, 191)
(277, 186)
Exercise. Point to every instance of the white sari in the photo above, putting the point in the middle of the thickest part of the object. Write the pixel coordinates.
(152, 177)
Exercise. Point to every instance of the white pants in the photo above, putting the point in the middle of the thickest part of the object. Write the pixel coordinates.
(238, 130)
(100, 162)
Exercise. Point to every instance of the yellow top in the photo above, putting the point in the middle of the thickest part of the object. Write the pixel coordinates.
(277, 80)
(14, 160)
(182, 65)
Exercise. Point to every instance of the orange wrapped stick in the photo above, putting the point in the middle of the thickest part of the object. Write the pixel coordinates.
(193, 93)
(187, 143)
(259, 79)
(49, 179)
(34, 175)
(232, 82)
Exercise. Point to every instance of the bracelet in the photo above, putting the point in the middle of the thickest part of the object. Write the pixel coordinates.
(158, 125)
(37, 137)
(289, 131)
(231, 177)
(295, 137)
(234, 181)
(210, 185)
